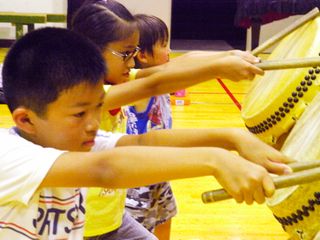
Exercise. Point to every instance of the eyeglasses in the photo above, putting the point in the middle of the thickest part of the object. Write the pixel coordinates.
(127, 55)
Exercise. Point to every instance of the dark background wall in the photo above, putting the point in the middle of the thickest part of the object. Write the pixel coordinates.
(206, 20)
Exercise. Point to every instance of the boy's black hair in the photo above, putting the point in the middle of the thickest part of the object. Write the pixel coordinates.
(103, 22)
(45, 62)
(152, 30)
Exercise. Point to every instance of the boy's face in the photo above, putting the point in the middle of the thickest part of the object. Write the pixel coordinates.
(71, 122)
(160, 54)
(118, 68)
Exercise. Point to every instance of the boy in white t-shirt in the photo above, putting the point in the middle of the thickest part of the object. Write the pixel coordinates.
(53, 84)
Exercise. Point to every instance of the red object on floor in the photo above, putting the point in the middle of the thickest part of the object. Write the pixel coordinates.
(180, 93)
(180, 98)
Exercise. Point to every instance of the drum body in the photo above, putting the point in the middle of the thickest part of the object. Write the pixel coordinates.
(297, 208)
(278, 98)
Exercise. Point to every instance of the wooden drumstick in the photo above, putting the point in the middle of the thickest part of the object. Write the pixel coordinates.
(305, 18)
(289, 63)
(296, 178)
(299, 166)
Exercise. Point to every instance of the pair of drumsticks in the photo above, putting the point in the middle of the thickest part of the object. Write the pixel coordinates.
(303, 172)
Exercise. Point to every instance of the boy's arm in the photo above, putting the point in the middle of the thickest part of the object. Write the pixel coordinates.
(125, 167)
(245, 143)
(180, 74)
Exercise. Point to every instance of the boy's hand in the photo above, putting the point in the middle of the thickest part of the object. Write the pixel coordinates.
(255, 150)
(243, 180)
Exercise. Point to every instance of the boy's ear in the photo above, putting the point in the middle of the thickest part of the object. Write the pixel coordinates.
(142, 57)
(21, 117)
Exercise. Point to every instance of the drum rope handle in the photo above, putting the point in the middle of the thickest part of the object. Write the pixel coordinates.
(303, 172)
(299, 22)
(289, 63)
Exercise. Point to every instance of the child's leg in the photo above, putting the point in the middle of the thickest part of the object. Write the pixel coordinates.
(130, 229)
(162, 231)
(167, 209)
(151, 206)
(140, 203)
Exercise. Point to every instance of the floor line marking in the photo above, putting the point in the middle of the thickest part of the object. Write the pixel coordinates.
(235, 101)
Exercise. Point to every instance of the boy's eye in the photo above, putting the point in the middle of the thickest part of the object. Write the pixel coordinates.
(80, 114)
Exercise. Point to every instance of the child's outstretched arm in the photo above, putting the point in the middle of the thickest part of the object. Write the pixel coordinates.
(242, 141)
(125, 167)
(200, 55)
(184, 72)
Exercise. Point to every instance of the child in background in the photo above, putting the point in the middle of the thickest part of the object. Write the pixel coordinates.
(112, 27)
(154, 205)
(53, 85)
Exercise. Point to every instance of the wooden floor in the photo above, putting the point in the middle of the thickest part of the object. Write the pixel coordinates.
(212, 107)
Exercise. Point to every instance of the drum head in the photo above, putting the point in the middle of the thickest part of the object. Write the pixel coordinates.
(278, 98)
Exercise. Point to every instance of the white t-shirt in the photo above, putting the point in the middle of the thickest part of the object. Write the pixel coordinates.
(29, 213)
